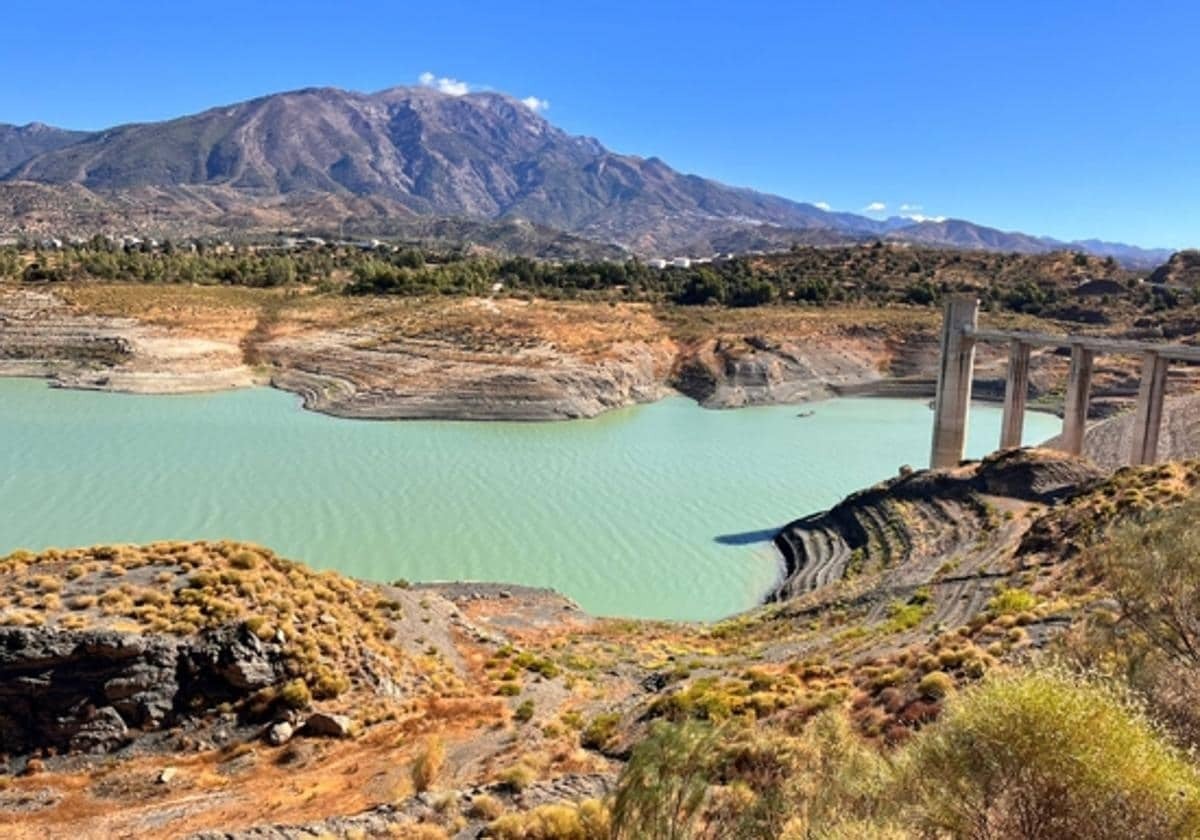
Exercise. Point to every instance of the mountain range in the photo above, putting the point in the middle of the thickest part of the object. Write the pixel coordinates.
(392, 161)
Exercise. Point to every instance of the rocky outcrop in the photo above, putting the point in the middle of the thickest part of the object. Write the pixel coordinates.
(1182, 269)
(909, 525)
(757, 370)
(92, 690)
(358, 374)
(40, 335)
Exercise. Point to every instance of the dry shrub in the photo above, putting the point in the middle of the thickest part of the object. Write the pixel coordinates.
(1047, 755)
(428, 766)
(692, 780)
(589, 820)
(1151, 566)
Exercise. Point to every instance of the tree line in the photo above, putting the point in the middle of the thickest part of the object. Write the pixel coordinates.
(875, 275)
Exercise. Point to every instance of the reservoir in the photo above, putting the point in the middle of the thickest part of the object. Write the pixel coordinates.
(660, 511)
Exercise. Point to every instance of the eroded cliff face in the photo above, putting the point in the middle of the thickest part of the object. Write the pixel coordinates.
(42, 335)
(907, 527)
(360, 374)
(760, 370)
(456, 359)
(93, 690)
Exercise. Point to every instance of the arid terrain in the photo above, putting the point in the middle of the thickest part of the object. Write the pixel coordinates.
(493, 358)
(175, 689)
(215, 689)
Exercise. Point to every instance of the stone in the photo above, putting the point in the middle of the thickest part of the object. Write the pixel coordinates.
(328, 725)
(95, 690)
(167, 774)
(280, 733)
(102, 731)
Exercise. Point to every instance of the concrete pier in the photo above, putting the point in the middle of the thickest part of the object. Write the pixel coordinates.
(1148, 417)
(1016, 391)
(1079, 386)
(953, 401)
(960, 334)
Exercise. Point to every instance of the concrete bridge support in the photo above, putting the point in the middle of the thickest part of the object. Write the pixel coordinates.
(960, 333)
(1016, 391)
(1079, 385)
(957, 366)
(1147, 419)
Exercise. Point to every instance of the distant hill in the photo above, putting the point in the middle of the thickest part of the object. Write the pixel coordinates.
(322, 156)
(1182, 269)
(19, 143)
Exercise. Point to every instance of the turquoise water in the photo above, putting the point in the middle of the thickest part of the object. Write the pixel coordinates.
(661, 510)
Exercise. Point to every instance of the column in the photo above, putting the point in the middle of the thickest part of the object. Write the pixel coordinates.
(1079, 384)
(955, 369)
(1147, 419)
(1016, 389)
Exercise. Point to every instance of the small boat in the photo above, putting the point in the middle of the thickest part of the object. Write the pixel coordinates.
(806, 414)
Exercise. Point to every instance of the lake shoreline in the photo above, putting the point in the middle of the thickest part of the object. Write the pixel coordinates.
(575, 507)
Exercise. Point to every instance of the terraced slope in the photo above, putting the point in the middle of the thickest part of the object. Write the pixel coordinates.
(911, 524)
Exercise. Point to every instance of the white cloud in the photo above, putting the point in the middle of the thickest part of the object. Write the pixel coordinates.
(444, 84)
(822, 205)
(875, 207)
(911, 208)
(918, 217)
(457, 87)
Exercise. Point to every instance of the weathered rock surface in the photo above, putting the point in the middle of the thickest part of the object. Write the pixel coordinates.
(41, 336)
(921, 518)
(91, 690)
(326, 725)
(761, 371)
(359, 374)
(389, 820)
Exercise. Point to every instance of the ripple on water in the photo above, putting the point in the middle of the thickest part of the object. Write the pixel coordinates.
(622, 513)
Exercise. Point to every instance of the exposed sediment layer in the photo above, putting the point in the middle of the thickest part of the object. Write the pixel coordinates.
(40, 335)
(473, 359)
(482, 359)
(907, 526)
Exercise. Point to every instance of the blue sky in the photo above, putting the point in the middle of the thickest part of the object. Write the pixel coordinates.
(1070, 119)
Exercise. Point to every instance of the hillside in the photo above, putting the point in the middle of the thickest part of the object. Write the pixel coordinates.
(175, 689)
(19, 143)
(321, 156)
(1182, 269)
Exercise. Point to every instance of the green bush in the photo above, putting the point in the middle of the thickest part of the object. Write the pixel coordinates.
(1046, 755)
(524, 712)
(600, 732)
(1008, 601)
(295, 695)
(936, 685)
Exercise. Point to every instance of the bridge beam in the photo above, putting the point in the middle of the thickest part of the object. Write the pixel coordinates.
(1016, 390)
(1079, 386)
(1147, 420)
(956, 368)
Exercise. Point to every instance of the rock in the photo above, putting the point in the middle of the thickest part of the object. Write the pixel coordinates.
(328, 725)
(93, 690)
(104, 730)
(280, 733)
(167, 774)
